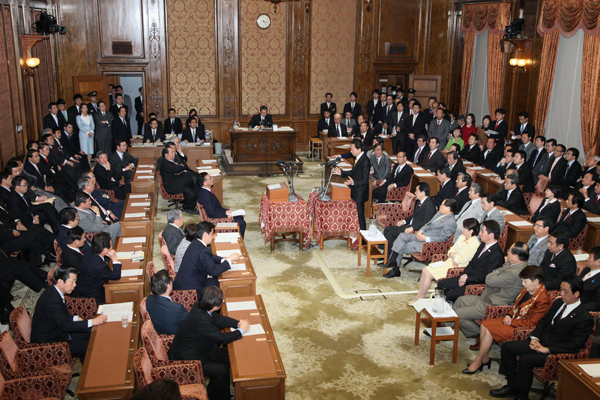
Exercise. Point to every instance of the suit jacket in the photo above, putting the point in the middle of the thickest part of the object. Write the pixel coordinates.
(439, 228)
(461, 198)
(255, 121)
(176, 127)
(40, 176)
(535, 158)
(200, 336)
(72, 113)
(118, 164)
(200, 134)
(495, 215)
(572, 175)
(107, 179)
(433, 162)
(166, 315)
(440, 132)
(173, 236)
(457, 168)
(528, 149)
(590, 297)
(502, 130)
(551, 211)
(374, 111)
(174, 176)
(503, 285)
(469, 210)
(160, 135)
(61, 238)
(90, 222)
(515, 203)
(356, 112)
(471, 154)
(526, 178)
(387, 110)
(349, 124)
(381, 169)
(139, 108)
(502, 168)
(446, 191)
(591, 190)
(566, 335)
(401, 178)
(558, 173)
(378, 130)
(572, 224)
(555, 268)
(394, 124)
(322, 125)
(492, 159)
(93, 272)
(418, 127)
(332, 108)
(72, 257)
(423, 212)
(211, 204)
(480, 266)
(592, 204)
(114, 109)
(51, 321)
(359, 191)
(50, 122)
(542, 166)
(537, 252)
(120, 131)
(199, 268)
(21, 207)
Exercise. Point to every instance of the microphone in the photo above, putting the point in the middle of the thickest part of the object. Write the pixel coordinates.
(282, 164)
(335, 161)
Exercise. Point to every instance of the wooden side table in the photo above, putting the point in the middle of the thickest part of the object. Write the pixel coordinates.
(316, 144)
(371, 247)
(438, 332)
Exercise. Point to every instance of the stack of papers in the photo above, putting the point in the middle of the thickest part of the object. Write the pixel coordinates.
(224, 225)
(116, 311)
(131, 272)
(238, 267)
(140, 239)
(594, 219)
(145, 171)
(145, 177)
(592, 370)
(238, 213)
(138, 196)
(241, 305)
(338, 184)
(130, 255)
(377, 238)
(274, 186)
(144, 204)
(135, 215)
(145, 166)
(227, 253)
(208, 161)
(255, 329)
(520, 223)
(227, 237)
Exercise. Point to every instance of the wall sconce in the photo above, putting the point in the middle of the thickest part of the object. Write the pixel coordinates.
(30, 65)
(521, 63)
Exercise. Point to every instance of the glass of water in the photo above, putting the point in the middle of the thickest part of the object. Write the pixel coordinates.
(124, 321)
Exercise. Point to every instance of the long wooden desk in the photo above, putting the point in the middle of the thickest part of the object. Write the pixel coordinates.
(256, 366)
(485, 178)
(130, 288)
(107, 372)
(193, 152)
(422, 175)
(142, 225)
(237, 283)
(218, 179)
(574, 383)
(140, 183)
(250, 145)
(519, 229)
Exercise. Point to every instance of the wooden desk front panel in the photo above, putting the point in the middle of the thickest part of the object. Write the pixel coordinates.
(133, 288)
(257, 146)
(573, 383)
(237, 283)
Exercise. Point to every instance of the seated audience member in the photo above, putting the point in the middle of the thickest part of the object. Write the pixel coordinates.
(538, 242)
(420, 151)
(122, 161)
(76, 247)
(153, 133)
(172, 234)
(435, 159)
(90, 219)
(531, 305)
(173, 125)
(511, 197)
(487, 258)
(506, 163)
(455, 165)
(563, 329)
(68, 219)
(591, 161)
(471, 151)
(447, 186)
(587, 186)
(491, 155)
(86, 185)
(556, 166)
(593, 203)
(190, 235)
(95, 270)
(439, 229)
(177, 179)
(101, 199)
(524, 172)
(459, 256)
(212, 205)
(491, 213)
(572, 173)
(503, 287)
(573, 219)
(381, 164)
(52, 322)
(200, 337)
(193, 133)
(109, 178)
(550, 206)
(424, 210)
(261, 119)
(43, 176)
(456, 138)
(20, 206)
(199, 267)
(166, 315)
(590, 295)
(463, 181)
(400, 176)
(558, 260)
(471, 209)
(326, 124)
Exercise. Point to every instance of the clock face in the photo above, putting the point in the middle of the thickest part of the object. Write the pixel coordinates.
(263, 21)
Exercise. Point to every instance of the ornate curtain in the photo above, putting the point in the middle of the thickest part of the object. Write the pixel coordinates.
(475, 19)
(544, 90)
(569, 16)
(590, 92)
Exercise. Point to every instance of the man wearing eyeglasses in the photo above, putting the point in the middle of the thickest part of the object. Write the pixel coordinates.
(538, 242)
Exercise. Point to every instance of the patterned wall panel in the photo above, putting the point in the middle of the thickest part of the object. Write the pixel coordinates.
(192, 56)
(332, 51)
(263, 58)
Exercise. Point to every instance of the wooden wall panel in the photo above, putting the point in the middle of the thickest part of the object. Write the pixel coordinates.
(398, 22)
(7, 136)
(121, 21)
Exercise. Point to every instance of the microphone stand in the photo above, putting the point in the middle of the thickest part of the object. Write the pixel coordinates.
(292, 197)
(323, 196)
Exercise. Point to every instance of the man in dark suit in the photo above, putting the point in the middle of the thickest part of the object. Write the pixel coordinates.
(487, 258)
(76, 247)
(337, 128)
(388, 109)
(573, 219)
(93, 104)
(52, 322)
(374, 106)
(396, 124)
(51, 119)
(43, 176)
(199, 267)
(328, 105)
(462, 182)
(500, 127)
(21, 207)
(177, 179)
(539, 153)
(434, 159)
(68, 220)
(471, 151)
(414, 125)
(511, 196)
(325, 123)
(556, 167)
(366, 135)
(439, 128)
(349, 123)
(401, 176)
(63, 114)
(523, 127)
(587, 186)
(193, 133)
(491, 155)
(592, 203)
(353, 106)
(119, 103)
(172, 234)
(358, 179)
(120, 128)
(447, 186)
(95, 270)
(109, 211)
(455, 165)
(103, 132)
(122, 160)
(564, 329)
(153, 133)
(166, 315)
(524, 172)
(543, 163)
(62, 176)
(200, 336)
(172, 124)
(262, 118)
(558, 260)
(421, 151)
(109, 177)
(72, 113)
(572, 172)
(139, 111)
(590, 295)
(212, 205)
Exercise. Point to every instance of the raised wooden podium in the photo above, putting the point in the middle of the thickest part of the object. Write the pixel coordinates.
(278, 192)
(338, 191)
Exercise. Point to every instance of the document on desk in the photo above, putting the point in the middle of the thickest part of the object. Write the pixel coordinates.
(227, 253)
(227, 237)
(223, 225)
(131, 272)
(129, 255)
(520, 223)
(241, 305)
(255, 329)
(594, 219)
(238, 267)
(139, 239)
(592, 370)
(477, 168)
(138, 196)
(581, 257)
(145, 166)
(505, 212)
(116, 311)
(135, 215)
(209, 167)
(274, 187)
(144, 176)
(208, 161)
(145, 204)
(139, 171)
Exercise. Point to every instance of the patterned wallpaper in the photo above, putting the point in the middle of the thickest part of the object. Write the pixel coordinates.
(192, 56)
(333, 29)
(263, 58)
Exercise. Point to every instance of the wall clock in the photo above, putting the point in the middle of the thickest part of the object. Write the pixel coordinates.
(263, 21)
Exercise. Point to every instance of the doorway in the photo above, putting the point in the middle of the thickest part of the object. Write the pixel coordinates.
(131, 90)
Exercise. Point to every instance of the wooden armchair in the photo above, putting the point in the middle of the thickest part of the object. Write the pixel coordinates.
(578, 241)
(168, 260)
(48, 386)
(173, 198)
(398, 193)
(389, 214)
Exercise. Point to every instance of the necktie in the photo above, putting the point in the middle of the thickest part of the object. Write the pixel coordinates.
(465, 208)
(496, 125)
(103, 114)
(338, 131)
(153, 135)
(428, 157)
(486, 154)
(438, 123)
(567, 171)
(559, 315)
(352, 106)
(522, 129)
(417, 155)
(534, 243)
(535, 158)
(482, 251)
(507, 195)
(595, 201)
(194, 134)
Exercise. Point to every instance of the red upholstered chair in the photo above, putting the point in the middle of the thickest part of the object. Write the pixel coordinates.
(398, 193)
(431, 249)
(168, 261)
(188, 375)
(472, 173)
(204, 217)
(475, 290)
(534, 203)
(578, 241)
(150, 270)
(186, 298)
(49, 386)
(161, 240)
(84, 307)
(390, 213)
(540, 188)
(173, 198)
(20, 323)
(110, 193)
(503, 236)
(58, 252)
(156, 345)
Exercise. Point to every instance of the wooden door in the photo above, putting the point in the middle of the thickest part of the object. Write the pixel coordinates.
(426, 86)
(385, 79)
(89, 83)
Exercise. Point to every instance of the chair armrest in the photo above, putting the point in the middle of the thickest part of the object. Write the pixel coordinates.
(522, 332)
(85, 308)
(475, 290)
(34, 387)
(187, 298)
(454, 272)
(496, 312)
(37, 358)
(182, 373)
(439, 257)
